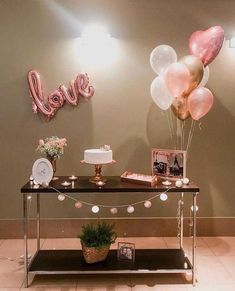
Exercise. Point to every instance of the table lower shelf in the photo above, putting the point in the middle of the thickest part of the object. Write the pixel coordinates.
(146, 261)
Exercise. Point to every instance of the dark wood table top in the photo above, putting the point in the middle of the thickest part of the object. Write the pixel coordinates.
(113, 184)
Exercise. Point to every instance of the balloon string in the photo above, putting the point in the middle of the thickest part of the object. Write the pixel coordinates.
(178, 133)
(182, 134)
(170, 127)
(173, 128)
(200, 125)
(191, 134)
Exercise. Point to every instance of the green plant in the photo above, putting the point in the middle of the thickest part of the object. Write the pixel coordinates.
(99, 235)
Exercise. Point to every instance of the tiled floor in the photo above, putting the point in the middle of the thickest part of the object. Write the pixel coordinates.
(215, 268)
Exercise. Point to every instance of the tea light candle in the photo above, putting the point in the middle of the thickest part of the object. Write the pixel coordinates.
(73, 178)
(100, 183)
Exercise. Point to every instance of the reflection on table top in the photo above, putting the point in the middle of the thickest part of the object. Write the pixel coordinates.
(113, 184)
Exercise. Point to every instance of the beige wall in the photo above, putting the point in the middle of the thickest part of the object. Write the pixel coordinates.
(43, 34)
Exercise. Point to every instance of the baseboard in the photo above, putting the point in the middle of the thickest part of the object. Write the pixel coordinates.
(56, 228)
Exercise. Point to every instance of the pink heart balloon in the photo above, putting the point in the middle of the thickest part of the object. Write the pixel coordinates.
(206, 44)
(200, 102)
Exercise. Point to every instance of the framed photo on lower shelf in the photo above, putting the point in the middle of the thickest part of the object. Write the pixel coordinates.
(169, 164)
(126, 251)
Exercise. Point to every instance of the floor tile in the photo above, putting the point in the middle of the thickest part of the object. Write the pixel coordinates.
(221, 246)
(54, 280)
(211, 270)
(11, 280)
(162, 287)
(153, 280)
(102, 281)
(48, 288)
(229, 264)
(105, 288)
(202, 248)
(212, 287)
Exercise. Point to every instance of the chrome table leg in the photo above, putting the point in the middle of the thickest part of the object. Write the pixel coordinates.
(25, 213)
(38, 221)
(181, 230)
(194, 238)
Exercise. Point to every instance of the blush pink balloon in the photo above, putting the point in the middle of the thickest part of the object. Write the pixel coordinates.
(177, 79)
(200, 102)
(206, 44)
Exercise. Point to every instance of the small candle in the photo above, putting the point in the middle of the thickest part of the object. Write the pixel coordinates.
(73, 178)
(100, 183)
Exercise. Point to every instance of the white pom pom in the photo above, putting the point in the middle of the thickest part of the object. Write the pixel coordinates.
(61, 197)
(114, 210)
(178, 183)
(95, 209)
(163, 197)
(185, 181)
(147, 204)
(130, 209)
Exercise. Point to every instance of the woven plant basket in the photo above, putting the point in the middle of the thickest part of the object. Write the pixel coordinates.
(93, 255)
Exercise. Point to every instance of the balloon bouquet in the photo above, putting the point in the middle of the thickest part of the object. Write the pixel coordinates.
(180, 84)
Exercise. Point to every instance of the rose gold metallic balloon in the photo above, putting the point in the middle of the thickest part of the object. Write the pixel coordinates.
(195, 67)
(54, 101)
(180, 108)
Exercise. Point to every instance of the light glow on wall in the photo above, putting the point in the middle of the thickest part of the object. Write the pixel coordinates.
(232, 42)
(96, 47)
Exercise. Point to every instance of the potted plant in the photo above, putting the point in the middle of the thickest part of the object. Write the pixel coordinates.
(96, 241)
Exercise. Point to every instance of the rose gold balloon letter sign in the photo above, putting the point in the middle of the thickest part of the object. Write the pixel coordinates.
(49, 105)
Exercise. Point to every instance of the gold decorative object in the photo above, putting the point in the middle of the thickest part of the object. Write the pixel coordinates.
(53, 163)
(98, 173)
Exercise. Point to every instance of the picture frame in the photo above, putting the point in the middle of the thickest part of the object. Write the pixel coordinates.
(168, 164)
(126, 251)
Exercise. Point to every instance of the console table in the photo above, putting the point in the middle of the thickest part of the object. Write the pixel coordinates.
(72, 262)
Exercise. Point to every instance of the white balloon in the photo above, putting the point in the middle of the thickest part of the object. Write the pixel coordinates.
(205, 77)
(161, 57)
(160, 94)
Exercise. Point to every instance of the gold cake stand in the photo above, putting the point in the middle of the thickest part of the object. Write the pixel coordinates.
(98, 172)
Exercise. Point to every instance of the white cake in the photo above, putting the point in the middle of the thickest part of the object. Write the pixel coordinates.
(98, 156)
